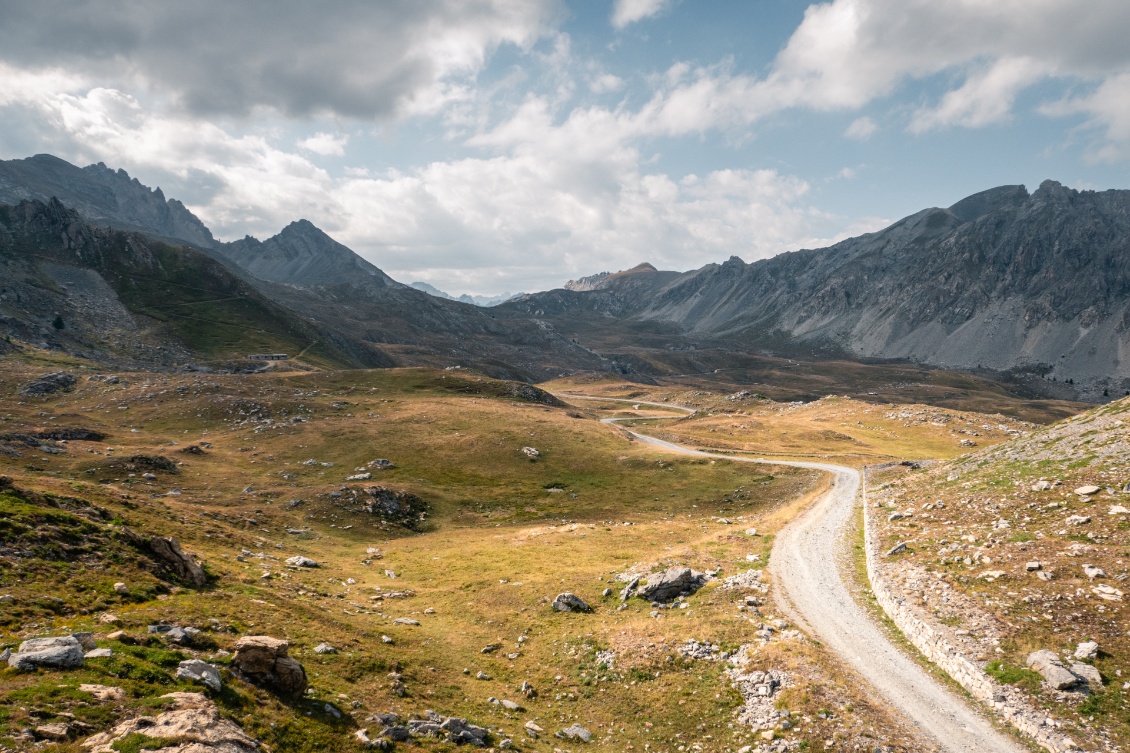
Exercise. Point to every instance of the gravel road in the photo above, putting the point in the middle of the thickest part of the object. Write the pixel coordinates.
(807, 564)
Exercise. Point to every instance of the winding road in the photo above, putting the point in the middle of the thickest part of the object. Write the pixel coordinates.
(807, 563)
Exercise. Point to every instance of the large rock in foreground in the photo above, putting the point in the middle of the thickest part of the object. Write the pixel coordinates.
(263, 660)
(673, 583)
(60, 652)
(193, 722)
(1051, 668)
(570, 602)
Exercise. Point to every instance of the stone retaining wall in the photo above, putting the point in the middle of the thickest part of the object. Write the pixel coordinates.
(936, 644)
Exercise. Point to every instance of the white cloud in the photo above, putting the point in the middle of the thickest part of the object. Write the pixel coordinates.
(627, 12)
(861, 129)
(1106, 110)
(605, 83)
(325, 144)
(986, 97)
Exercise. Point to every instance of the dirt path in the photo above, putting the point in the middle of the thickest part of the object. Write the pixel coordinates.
(807, 563)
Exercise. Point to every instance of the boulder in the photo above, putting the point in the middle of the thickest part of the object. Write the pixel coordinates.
(1086, 491)
(193, 722)
(49, 384)
(1051, 668)
(57, 732)
(301, 561)
(168, 551)
(898, 548)
(672, 583)
(263, 660)
(1088, 674)
(62, 652)
(575, 732)
(195, 670)
(324, 648)
(1087, 650)
(569, 602)
(1093, 572)
(99, 653)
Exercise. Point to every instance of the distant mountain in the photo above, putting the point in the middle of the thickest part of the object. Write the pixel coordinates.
(131, 300)
(301, 254)
(1002, 280)
(104, 197)
(476, 300)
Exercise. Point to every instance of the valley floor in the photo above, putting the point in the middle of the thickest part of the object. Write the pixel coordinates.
(435, 571)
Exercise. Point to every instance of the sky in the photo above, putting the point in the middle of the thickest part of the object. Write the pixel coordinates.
(489, 146)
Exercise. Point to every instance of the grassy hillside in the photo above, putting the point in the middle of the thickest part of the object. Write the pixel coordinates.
(489, 538)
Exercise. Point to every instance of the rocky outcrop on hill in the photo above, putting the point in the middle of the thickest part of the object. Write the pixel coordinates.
(192, 725)
(263, 660)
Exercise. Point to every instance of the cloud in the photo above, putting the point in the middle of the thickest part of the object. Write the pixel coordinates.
(325, 144)
(986, 97)
(627, 12)
(861, 129)
(1106, 110)
(359, 59)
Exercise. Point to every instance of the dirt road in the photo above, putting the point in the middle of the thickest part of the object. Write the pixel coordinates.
(807, 564)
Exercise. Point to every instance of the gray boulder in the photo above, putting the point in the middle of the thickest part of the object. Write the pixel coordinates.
(1088, 674)
(49, 384)
(672, 583)
(575, 732)
(570, 602)
(195, 670)
(1087, 650)
(1051, 668)
(61, 652)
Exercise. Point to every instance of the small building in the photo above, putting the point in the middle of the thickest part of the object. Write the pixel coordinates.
(268, 357)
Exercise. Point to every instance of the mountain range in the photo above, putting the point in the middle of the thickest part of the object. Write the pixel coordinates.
(1004, 280)
(476, 300)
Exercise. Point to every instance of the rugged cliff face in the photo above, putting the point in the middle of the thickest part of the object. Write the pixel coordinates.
(104, 197)
(131, 300)
(1002, 280)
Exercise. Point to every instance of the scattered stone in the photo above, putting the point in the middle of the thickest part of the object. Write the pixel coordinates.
(1048, 664)
(61, 652)
(532, 729)
(1033, 566)
(405, 621)
(528, 690)
(1110, 593)
(195, 670)
(1077, 520)
(300, 561)
(452, 729)
(751, 532)
(694, 649)
(992, 575)
(49, 384)
(1041, 486)
(569, 602)
(1086, 491)
(531, 453)
(386, 639)
(630, 589)
(99, 653)
(324, 648)
(121, 588)
(359, 477)
(749, 580)
(103, 692)
(1118, 510)
(606, 593)
(898, 548)
(482, 676)
(510, 705)
(194, 723)
(57, 731)
(1087, 650)
(490, 648)
(263, 660)
(108, 618)
(672, 583)
(1093, 572)
(381, 464)
(575, 732)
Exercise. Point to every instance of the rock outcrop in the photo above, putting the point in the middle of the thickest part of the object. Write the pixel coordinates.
(193, 723)
(672, 583)
(570, 602)
(263, 660)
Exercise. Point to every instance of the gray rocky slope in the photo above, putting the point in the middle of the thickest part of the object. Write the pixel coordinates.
(1002, 280)
(102, 196)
